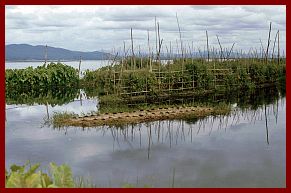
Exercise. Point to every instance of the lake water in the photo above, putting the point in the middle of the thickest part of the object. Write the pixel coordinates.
(85, 64)
(244, 149)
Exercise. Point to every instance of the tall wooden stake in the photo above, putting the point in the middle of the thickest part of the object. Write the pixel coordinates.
(132, 51)
(150, 60)
(274, 44)
(45, 55)
(278, 49)
(80, 66)
(207, 46)
(221, 51)
(267, 51)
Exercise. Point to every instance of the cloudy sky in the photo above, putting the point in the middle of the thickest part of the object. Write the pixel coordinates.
(90, 28)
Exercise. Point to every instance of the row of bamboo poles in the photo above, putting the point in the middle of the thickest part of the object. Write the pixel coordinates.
(187, 50)
(130, 59)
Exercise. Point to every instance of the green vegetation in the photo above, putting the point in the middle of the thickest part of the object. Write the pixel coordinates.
(30, 176)
(41, 96)
(118, 83)
(59, 118)
(134, 116)
(183, 76)
(21, 177)
(45, 76)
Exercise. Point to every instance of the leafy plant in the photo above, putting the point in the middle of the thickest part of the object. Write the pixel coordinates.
(51, 75)
(21, 177)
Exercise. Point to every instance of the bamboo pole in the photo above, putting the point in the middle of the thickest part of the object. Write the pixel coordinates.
(262, 50)
(192, 51)
(177, 47)
(158, 55)
(160, 45)
(124, 57)
(221, 51)
(156, 34)
(278, 49)
(140, 57)
(180, 35)
(150, 60)
(207, 46)
(80, 67)
(45, 55)
(170, 51)
(269, 40)
(274, 44)
(132, 50)
(230, 51)
(114, 82)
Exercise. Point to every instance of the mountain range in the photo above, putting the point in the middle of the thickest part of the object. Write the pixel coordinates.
(26, 52)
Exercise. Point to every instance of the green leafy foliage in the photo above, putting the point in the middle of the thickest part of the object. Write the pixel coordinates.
(62, 176)
(53, 97)
(58, 120)
(50, 75)
(20, 177)
(187, 74)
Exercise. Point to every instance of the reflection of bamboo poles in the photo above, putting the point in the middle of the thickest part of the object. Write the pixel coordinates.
(149, 142)
(176, 131)
(267, 129)
(173, 179)
(113, 136)
(47, 111)
(276, 116)
(80, 93)
(140, 142)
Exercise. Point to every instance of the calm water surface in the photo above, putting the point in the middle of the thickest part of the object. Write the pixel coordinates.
(225, 151)
(244, 149)
(85, 64)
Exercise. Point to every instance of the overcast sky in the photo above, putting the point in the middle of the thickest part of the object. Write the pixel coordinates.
(90, 28)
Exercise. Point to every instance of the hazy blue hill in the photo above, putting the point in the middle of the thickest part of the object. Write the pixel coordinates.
(29, 52)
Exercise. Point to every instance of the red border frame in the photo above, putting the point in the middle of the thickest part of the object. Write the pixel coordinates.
(128, 2)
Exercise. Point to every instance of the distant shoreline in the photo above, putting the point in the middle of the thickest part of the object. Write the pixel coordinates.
(50, 60)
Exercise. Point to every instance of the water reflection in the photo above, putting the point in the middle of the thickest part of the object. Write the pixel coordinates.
(173, 133)
(46, 96)
(246, 148)
(239, 139)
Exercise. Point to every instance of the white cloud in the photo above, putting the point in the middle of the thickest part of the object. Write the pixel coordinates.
(89, 28)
